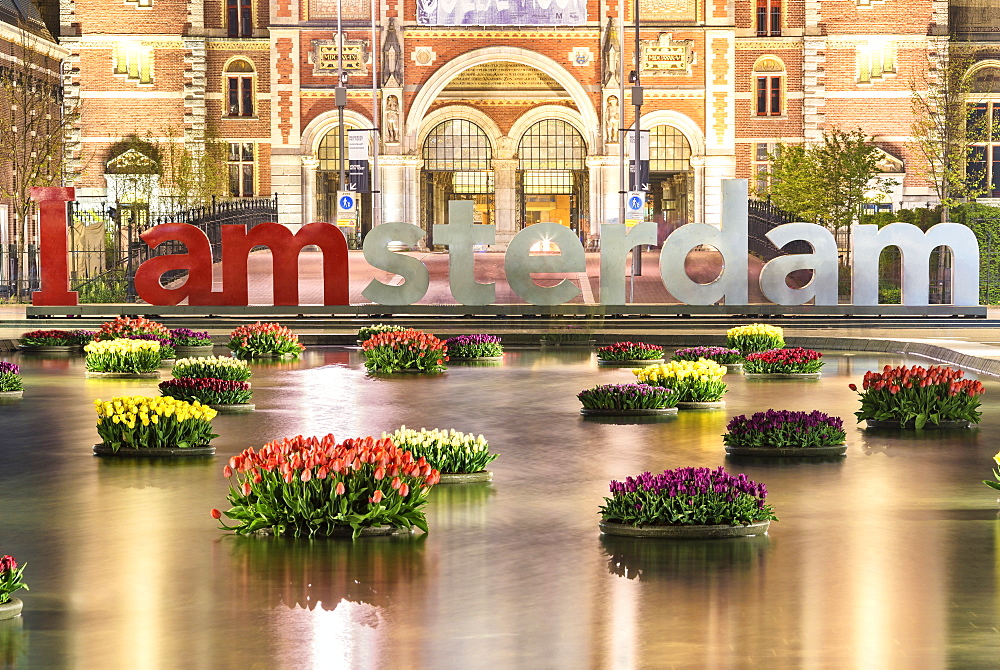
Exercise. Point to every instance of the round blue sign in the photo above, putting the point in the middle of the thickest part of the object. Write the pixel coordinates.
(347, 202)
(635, 202)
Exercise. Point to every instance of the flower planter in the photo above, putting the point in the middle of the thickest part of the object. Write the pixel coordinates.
(634, 363)
(873, 423)
(159, 452)
(786, 452)
(11, 608)
(783, 375)
(473, 359)
(239, 408)
(51, 348)
(684, 532)
(666, 411)
(466, 477)
(124, 375)
(734, 368)
(167, 362)
(194, 351)
(718, 404)
(11, 394)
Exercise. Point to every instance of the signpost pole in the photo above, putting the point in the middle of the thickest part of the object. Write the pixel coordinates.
(340, 94)
(637, 101)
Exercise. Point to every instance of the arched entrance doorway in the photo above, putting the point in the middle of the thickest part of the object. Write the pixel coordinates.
(458, 165)
(327, 185)
(552, 175)
(670, 201)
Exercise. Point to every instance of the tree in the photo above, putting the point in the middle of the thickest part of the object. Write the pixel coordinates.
(943, 126)
(828, 182)
(195, 175)
(33, 128)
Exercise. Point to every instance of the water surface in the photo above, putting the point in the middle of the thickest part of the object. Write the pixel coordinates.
(887, 558)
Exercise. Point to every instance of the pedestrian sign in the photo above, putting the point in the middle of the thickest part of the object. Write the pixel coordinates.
(347, 205)
(635, 207)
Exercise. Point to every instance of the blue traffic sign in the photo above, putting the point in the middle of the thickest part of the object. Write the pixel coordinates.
(634, 202)
(347, 203)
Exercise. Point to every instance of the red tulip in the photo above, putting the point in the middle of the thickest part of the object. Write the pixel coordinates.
(216, 514)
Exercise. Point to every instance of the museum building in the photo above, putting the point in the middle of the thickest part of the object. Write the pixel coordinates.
(517, 105)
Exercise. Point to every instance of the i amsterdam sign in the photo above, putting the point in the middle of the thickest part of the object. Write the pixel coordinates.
(461, 236)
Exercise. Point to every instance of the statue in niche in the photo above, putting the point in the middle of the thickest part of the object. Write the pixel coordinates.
(391, 134)
(392, 64)
(612, 55)
(612, 119)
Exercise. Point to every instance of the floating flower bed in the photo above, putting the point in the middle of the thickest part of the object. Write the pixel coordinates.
(917, 397)
(474, 346)
(309, 486)
(212, 367)
(365, 332)
(123, 356)
(625, 399)
(695, 381)
(708, 503)
(754, 338)
(140, 328)
(207, 391)
(459, 457)
(11, 581)
(11, 384)
(784, 432)
(264, 339)
(38, 339)
(720, 355)
(396, 351)
(781, 362)
(146, 425)
(630, 352)
(185, 340)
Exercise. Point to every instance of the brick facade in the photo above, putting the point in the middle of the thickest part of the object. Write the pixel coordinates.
(832, 63)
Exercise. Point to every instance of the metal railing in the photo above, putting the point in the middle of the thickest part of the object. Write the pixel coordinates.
(762, 218)
(105, 247)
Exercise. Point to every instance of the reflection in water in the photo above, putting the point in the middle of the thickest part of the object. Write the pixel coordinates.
(887, 558)
(297, 572)
(13, 642)
(659, 559)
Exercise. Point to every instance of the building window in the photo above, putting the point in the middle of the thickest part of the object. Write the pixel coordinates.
(669, 150)
(875, 60)
(769, 76)
(983, 166)
(457, 145)
(239, 18)
(768, 18)
(144, 4)
(763, 151)
(241, 169)
(239, 88)
(134, 62)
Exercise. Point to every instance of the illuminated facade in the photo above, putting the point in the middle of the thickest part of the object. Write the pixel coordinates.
(516, 105)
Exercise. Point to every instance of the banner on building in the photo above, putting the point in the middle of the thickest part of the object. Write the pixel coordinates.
(502, 12)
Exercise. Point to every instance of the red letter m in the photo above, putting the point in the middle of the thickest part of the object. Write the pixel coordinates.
(285, 247)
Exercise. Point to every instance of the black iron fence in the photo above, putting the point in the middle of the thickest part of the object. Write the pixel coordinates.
(105, 247)
(763, 217)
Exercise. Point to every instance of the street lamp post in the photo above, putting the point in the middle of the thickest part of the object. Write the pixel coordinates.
(340, 98)
(637, 154)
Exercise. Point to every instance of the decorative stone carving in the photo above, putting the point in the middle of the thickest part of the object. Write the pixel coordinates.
(612, 118)
(390, 132)
(392, 63)
(612, 55)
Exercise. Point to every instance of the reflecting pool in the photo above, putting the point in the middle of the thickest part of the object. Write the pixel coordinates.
(888, 558)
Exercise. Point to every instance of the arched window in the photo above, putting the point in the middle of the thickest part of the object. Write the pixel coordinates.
(669, 150)
(239, 88)
(552, 144)
(457, 145)
(769, 78)
(983, 130)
